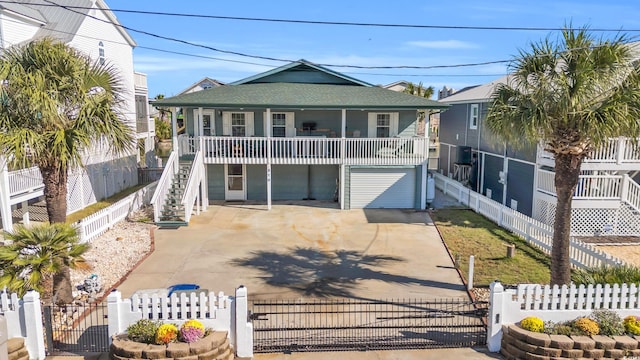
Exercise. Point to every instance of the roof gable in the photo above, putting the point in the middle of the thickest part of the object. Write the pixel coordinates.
(302, 72)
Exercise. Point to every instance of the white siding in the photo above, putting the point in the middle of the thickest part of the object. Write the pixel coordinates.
(119, 54)
(383, 188)
(15, 30)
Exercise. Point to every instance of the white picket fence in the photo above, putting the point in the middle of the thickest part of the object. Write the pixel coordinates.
(220, 313)
(555, 303)
(96, 224)
(533, 231)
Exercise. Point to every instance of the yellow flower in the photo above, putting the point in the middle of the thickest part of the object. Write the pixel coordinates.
(587, 326)
(532, 323)
(166, 333)
(193, 324)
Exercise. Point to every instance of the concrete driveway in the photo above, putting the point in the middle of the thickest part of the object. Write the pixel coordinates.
(303, 249)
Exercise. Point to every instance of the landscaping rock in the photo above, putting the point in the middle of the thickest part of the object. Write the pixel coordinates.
(177, 350)
(572, 353)
(154, 352)
(129, 349)
(614, 353)
(593, 353)
(625, 343)
(202, 346)
(513, 352)
(530, 356)
(190, 357)
(561, 342)
(225, 355)
(522, 345)
(518, 332)
(548, 351)
(539, 339)
(583, 342)
(218, 338)
(15, 344)
(604, 342)
(209, 355)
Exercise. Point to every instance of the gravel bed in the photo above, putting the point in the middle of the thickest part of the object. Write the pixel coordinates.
(114, 253)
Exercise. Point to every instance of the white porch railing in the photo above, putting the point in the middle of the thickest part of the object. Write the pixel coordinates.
(192, 193)
(533, 231)
(164, 184)
(308, 150)
(25, 180)
(596, 187)
(615, 151)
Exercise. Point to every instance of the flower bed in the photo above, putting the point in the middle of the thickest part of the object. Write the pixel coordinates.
(518, 343)
(213, 346)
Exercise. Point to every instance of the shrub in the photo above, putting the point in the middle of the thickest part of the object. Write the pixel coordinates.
(191, 331)
(143, 331)
(586, 326)
(609, 322)
(166, 333)
(632, 325)
(607, 275)
(532, 323)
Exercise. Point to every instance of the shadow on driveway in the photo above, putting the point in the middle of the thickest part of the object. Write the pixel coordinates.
(313, 272)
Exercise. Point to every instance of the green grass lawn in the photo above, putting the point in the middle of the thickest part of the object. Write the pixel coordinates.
(94, 208)
(467, 233)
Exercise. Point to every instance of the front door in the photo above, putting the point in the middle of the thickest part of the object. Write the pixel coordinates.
(235, 182)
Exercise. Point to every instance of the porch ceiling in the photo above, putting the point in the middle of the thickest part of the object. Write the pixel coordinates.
(300, 96)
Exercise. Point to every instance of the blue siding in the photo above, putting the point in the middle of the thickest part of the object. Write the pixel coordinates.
(215, 176)
(493, 165)
(520, 186)
(257, 182)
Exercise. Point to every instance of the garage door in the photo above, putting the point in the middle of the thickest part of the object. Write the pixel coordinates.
(383, 188)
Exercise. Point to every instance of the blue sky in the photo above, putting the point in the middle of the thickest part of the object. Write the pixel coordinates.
(368, 46)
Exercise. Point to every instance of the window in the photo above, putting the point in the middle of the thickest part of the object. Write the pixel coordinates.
(279, 124)
(101, 53)
(238, 124)
(473, 117)
(383, 125)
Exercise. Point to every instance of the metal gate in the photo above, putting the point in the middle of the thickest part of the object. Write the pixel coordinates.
(76, 329)
(347, 324)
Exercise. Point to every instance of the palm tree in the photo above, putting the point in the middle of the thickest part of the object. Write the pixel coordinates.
(37, 252)
(419, 90)
(572, 95)
(56, 105)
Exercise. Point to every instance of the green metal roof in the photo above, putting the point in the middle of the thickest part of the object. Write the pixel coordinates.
(300, 96)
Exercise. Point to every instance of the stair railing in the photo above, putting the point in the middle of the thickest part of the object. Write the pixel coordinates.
(632, 193)
(192, 191)
(164, 184)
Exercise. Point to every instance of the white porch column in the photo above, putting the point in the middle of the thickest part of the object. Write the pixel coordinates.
(268, 135)
(198, 126)
(5, 196)
(343, 148)
(174, 129)
(25, 212)
(423, 186)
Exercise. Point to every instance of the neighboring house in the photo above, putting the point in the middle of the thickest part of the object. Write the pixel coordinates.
(608, 197)
(302, 131)
(93, 29)
(203, 84)
(399, 86)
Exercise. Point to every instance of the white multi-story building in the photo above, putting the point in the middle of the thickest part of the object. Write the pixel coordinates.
(89, 26)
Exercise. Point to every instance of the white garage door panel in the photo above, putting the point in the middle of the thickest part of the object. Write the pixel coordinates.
(383, 188)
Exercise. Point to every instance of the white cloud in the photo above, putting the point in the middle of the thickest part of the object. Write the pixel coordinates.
(443, 44)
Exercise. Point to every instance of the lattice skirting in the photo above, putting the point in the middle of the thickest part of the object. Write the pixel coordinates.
(622, 221)
(98, 181)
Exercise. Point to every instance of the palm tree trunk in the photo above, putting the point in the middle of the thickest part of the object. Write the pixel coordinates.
(566, 179)
(55, 193)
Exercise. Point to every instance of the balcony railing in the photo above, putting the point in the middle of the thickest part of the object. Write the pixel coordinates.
(25, 181)
(308, 150)
(596, 187)
(616, 151)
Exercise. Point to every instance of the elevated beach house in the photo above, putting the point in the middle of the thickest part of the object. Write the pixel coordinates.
(300, 131)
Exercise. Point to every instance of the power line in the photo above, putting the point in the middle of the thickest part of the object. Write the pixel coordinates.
(273, 58)
(339, 23)
(249, 62)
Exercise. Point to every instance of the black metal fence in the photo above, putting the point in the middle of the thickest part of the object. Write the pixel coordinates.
(149, 175)
(76, 329)
(347, 324)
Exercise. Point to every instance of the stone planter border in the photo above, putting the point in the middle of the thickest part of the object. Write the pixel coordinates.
(214, 346)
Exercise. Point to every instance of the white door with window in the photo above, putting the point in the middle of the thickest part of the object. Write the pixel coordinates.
(235, 182)
(208, 123)
(383, 125)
